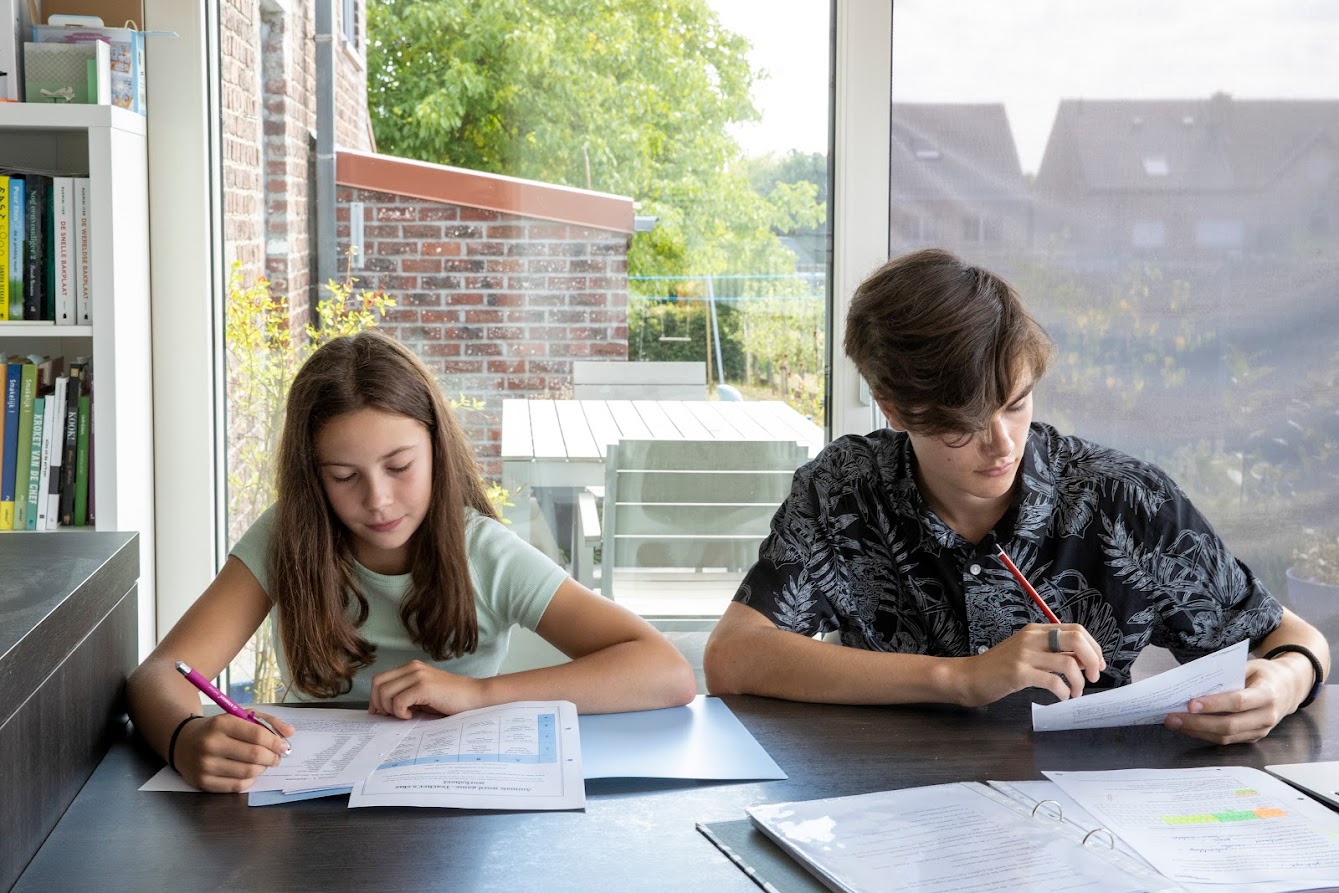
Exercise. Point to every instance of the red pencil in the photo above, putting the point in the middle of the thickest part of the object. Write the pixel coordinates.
(1027, 587)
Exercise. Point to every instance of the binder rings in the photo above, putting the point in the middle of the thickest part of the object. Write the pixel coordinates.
(962, 837)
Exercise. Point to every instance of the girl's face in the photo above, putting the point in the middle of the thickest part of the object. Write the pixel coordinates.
(376, 468)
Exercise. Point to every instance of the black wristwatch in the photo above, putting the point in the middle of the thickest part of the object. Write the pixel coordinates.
(1316, 669)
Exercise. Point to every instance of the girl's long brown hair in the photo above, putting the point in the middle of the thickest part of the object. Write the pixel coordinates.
(311, 563)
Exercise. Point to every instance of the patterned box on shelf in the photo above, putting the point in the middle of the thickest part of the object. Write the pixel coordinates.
(78, 74)
(127, 57)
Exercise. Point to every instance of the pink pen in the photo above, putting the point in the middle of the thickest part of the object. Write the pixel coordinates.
(218, 697)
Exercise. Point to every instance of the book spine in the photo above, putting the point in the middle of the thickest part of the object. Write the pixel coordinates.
(56, 455)
(18, 207)
(36, 461)
(64, 250)
(44, 473)
(9, 458)
(4, 247)
(32, 263)
(81, 462)
(23, 464)
(83, 299)
(73, 390)
(49, 253)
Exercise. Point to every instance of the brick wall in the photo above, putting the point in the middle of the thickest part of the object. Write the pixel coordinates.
(497, 304)
(268, 121)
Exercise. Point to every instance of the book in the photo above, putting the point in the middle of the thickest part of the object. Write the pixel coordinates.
(4, 247)
(83, 269)
(18, 194)
(48, 256)
(48, 370)
(34, 280)
(70, 448)
(23, 463)
(81, 462)
(62, 249)
(36, 463)
(945, 837)
(9, 455)
(56, 453)
(44, 473)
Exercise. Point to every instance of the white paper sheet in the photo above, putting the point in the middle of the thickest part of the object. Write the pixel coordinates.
(525, 755)
(332, 747)
(1030, 793)
(1216, 824)
(1148, 702)
(946, 837)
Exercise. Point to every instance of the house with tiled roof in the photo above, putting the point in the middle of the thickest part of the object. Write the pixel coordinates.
(955, 179)
(1194, 180)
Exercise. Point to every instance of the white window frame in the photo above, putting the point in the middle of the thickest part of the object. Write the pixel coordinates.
(186, 245)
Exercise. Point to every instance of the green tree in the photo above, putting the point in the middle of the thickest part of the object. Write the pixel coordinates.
(633, 97)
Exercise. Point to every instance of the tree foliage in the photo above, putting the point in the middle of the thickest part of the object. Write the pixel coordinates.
(632, 97)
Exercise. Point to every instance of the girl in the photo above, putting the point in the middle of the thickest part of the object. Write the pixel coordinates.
(390, 580)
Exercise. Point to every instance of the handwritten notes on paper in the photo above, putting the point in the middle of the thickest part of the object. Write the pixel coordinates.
(1148, 702)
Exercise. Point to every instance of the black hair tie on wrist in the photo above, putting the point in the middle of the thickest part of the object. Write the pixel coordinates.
(172, 743)
(1317, 671)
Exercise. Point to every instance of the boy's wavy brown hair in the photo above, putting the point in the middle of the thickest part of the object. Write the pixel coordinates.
(944, 343)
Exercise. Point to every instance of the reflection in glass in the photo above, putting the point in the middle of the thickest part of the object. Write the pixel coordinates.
(1161, 187)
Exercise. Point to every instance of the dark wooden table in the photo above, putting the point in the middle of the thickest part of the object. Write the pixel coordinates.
(633, 835)
(68, 626)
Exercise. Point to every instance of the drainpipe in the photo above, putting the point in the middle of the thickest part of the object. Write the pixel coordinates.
(325, 146)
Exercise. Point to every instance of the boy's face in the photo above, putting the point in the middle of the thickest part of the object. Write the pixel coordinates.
(959, 475)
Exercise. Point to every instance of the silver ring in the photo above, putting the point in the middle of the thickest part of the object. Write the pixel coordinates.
(1053, 640)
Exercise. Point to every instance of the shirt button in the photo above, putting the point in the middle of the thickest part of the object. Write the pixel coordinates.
(974, 569)
(981, 649)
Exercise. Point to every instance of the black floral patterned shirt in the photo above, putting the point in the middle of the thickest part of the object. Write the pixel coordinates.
(1109, 542)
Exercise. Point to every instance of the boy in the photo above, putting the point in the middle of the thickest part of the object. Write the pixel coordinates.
(893, 538)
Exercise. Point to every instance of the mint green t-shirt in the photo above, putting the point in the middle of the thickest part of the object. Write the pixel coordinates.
(513, 584)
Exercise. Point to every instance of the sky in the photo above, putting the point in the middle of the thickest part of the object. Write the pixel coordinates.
(1029, 54)
(790, 44)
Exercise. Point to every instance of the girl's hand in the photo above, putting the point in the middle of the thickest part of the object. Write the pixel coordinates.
(224, 754)
(396, 692)
(1025, 660)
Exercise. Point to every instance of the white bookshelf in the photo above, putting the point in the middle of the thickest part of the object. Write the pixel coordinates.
(107, 145)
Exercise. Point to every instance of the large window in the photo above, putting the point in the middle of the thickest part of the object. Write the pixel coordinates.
(606, 232)
(1159, 182)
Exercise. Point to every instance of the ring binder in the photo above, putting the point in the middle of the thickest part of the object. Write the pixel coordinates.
(853, 843)
(1111, 838)
(1059, 810)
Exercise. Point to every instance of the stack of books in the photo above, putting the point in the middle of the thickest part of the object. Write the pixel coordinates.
(45, 274)
(46, 433)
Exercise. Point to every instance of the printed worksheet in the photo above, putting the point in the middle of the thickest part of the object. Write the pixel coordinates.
(1148, 702)
(525, 755)
(949, 838)
(1215, 824)
(332, 747)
